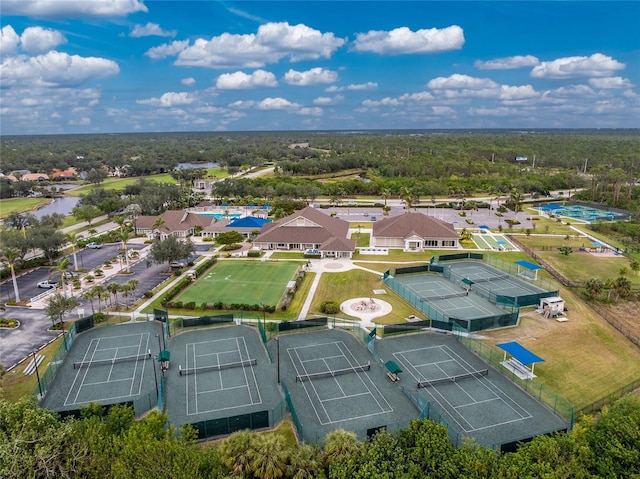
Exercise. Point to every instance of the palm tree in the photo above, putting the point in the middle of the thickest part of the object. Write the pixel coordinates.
(339, 443)
(125, 289)
(157, 226)
(73, 239)
(622, 287)
(386, 194)
(270, 458)
(12, 256)
(100, 292)
(594, 287)
(305, 462)
(90, 294)
(516, 198)
(133, 285)
(236, 453)
(61, 268)
(114, 288)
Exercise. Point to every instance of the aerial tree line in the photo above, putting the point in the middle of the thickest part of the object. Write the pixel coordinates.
(37, 443)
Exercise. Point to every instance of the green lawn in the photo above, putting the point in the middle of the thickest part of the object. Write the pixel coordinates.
(120, 183)
(241, 282)
(20, 205)
(578, 266)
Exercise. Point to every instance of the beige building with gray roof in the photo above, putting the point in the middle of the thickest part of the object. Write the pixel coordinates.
(414, 232)
(305, 230)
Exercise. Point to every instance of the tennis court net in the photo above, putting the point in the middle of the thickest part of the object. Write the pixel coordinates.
(96, 362)
(491, 278)
(218, 367)
(444, 296)
(337, 372)
(453, 379)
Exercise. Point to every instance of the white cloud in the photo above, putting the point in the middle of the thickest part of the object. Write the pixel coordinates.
(170, 99)
(309, 111)
(419, 97)
(35, 40)
(151, 29)
(85, 121)
(497, 112)
(325, 101)
(461, 81)
(8, 41)
(276, 104)
(55, 69)
(363, 86)
(271, 43)
(116, 111)
(188, 81)
(597, 65)
(244, 81)
(522, 92)
(582, 91)
(315, 76)
(443, 110)
(610, 82)
(384, 102)
(72, 8)
(507, 63)
(166, 50)
(242, 104)
(402, 40)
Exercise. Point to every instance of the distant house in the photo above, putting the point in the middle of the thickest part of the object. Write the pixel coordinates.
(34, 177)
(173, 223)
(414, 232)
(63, 175)
(308, 229)
(245, 226)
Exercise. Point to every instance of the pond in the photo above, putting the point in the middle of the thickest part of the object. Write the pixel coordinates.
(62, 206)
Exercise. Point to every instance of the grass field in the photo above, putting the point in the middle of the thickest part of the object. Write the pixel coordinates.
(241, 282)
(20, 205)
(120, 183)
(578, 266)
(586, 358)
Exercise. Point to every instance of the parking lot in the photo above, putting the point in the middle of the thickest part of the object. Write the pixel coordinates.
(34, 324)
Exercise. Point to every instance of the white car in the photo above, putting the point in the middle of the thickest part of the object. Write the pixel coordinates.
(177, 264)
(47, 284)
(94, 246)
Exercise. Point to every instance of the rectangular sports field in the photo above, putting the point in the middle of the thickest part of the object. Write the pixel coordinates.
(241, 282)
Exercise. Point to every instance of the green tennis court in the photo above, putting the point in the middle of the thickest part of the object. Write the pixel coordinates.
(241, 282)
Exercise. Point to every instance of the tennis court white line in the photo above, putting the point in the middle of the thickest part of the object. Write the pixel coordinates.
(453, 410)
(382, 409)
(239, 350)
(495, 389)
(94, 345)
(368, 392)
(305, 386)
(242, 386)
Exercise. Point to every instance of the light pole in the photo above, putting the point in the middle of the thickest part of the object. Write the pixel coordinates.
(155, 377)
(35, 362)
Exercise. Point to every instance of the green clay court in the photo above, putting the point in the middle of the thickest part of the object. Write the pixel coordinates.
(241, 282)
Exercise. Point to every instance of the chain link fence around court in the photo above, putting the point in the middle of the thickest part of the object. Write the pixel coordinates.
(45, 380)
(534, 387)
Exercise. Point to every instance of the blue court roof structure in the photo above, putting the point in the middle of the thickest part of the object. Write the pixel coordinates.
(519, 352)
(528, 265)
(248, 222)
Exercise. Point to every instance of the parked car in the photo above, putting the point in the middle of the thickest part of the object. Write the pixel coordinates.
(94, 246)
(47, 284)
(177, 264)
(70, 275)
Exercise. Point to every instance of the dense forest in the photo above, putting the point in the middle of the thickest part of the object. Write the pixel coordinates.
(37, 443)
(342, 165)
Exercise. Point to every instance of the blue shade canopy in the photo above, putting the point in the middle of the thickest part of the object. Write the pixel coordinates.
(392, 367)
(484, 227)
(528, 265)
(597, 244)
(522, 354)
(248, 222)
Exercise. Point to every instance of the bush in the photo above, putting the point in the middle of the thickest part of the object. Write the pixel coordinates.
(148, 294)
(253, 254)
(329, 307)
(208, 239)
(204, 306)
(231, 247)
(99, 317)
(8, 323)
(177, 272)
(191, 305)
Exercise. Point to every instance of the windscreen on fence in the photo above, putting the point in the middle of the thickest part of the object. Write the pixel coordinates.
(207, 320)
(307, 323)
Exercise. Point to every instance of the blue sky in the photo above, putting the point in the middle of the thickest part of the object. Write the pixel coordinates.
(104, 66)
